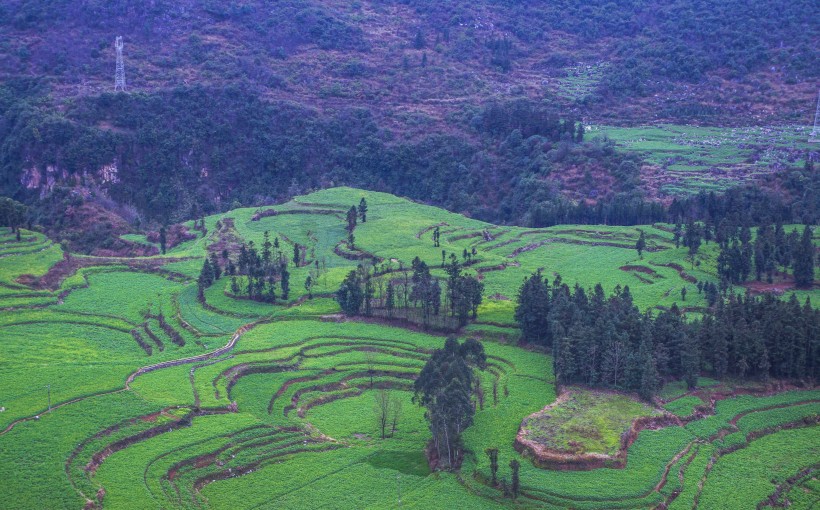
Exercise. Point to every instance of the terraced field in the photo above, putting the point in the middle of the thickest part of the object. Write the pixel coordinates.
(120, 389)
(687, 159)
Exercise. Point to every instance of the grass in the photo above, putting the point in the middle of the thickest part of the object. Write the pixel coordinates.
(755, 470)
(684, 406)
(586, 422)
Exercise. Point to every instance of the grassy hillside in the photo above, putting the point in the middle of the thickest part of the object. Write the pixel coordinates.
(159, 399)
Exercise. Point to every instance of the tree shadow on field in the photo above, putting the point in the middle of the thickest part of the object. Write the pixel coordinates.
(409, 463)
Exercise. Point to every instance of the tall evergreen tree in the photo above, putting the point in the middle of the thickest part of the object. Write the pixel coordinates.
(640, 245)
(350, 295)
(515, 482)
(363, 210)
(532, 312)
(163, 239)
(285, 283)
(804, 260)
(351, 218)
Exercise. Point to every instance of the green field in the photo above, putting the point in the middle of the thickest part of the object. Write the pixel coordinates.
(689, 159)
(158, 400)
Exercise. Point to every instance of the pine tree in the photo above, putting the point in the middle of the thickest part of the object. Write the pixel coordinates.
(492, 453)
(266, 248)
(390, 303)
(641, 244)
(804, 260)
(363, 210)
(418, 41)
(532, 312)
(350, 295)
(690, 359)
(515, 485)
(309, 286)
(206, 276)
(649, 373)
(351, 218)
(215, 266)
(163, 240)
(285, 283)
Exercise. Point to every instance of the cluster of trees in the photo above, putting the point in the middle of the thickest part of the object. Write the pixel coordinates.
(363, 291)
(771, 249)
(12, 214)
(606, 341)
(256, 273)
(499, 119)
(445, 388)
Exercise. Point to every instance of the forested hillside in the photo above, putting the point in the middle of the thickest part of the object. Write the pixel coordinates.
(481, 107)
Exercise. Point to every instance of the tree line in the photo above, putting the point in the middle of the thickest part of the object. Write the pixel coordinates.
(606, 341)
(772, 249)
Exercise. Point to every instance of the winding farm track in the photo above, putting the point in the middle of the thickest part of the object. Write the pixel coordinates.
(144, 370)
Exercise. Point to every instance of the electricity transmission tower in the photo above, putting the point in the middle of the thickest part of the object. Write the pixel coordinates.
(119, 75)
(815, 133)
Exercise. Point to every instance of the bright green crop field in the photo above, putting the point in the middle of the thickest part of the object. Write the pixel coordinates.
(120, 389)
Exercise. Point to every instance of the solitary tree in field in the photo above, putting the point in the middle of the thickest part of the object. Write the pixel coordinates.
(388, 411)
(443, 387)
(382, 409)
(162, 239)
(309, 286)
(363, 210)
(641, 244)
